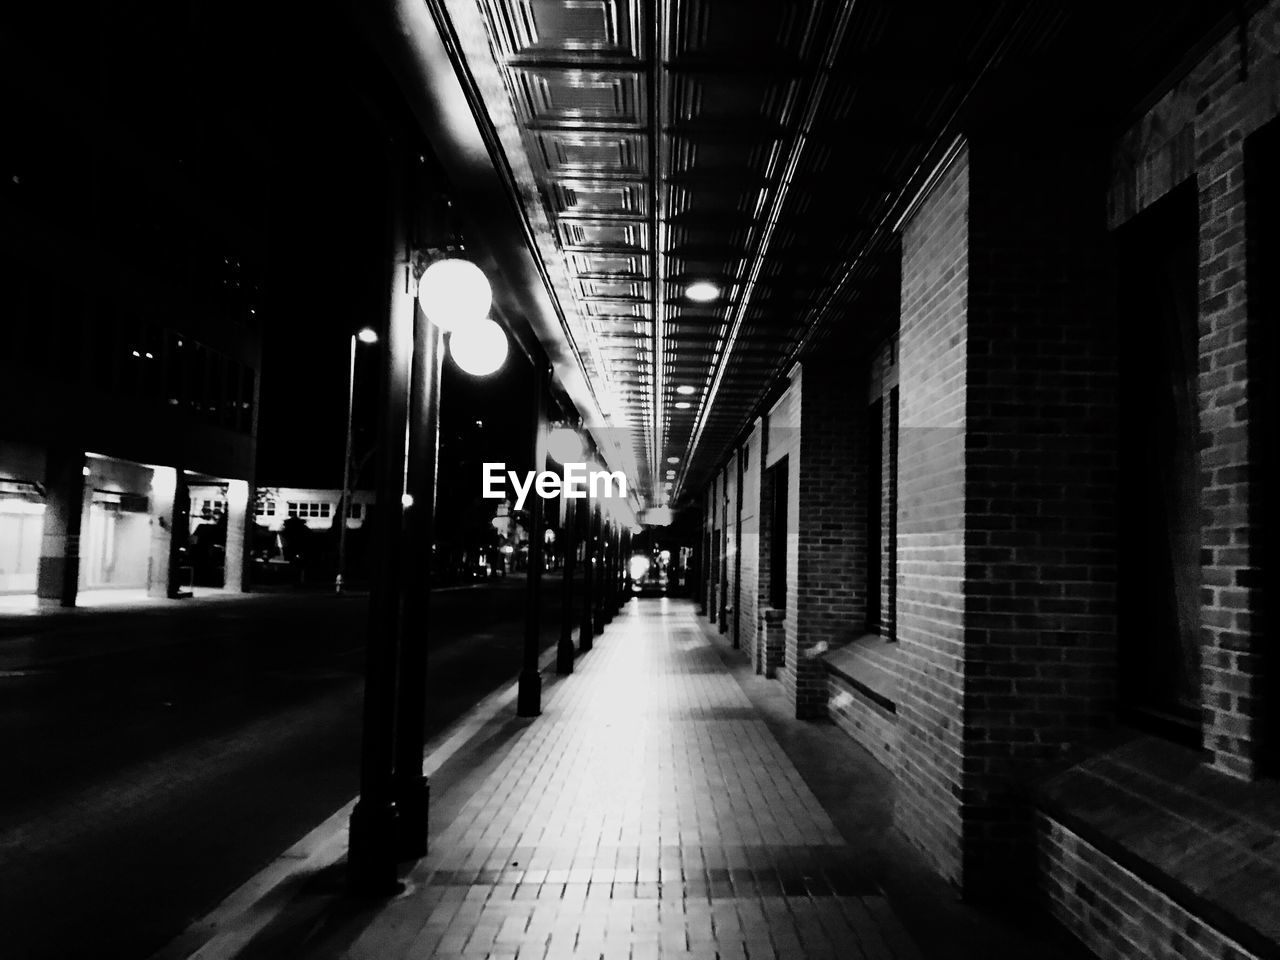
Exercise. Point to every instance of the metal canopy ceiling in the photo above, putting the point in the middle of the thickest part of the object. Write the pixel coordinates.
(768, 146)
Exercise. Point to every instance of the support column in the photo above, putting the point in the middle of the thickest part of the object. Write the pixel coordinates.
(626, 568)
(164, 488)
(568, 549)
(58, 576)
(586, 532)
(608, 585)
(602, 568)
(373, 851)
(411, 790)
(722, 604)
(238, 531)
(529, 694)
(178, 520)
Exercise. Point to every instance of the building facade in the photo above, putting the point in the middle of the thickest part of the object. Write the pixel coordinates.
(130, 362)
(1021, 549)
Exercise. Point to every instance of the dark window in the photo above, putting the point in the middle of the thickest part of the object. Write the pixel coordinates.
(889, 616)
(149, 364)
(107, 351)
(244, 422)
(1262, 154)
(778, 534)
(1159, 496)
(194, 377)
(875, 512)
(174, 345)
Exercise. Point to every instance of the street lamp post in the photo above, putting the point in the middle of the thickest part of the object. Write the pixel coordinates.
(372, 850)
(365, 335)
(388, 822)
(412, 793)
(587, 525)
(566, 447)
(601, 525)
(529, 690)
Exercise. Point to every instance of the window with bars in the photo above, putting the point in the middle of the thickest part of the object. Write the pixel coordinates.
(211, 509)
(310, 509)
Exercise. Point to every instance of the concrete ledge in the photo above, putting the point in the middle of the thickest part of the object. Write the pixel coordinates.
(862, 694)
(871, 666)
(1146, 827)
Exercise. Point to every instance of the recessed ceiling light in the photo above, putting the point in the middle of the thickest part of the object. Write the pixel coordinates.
(702, 291)
(670, 474)
(683, 405)
(685, 390)
(673, 459)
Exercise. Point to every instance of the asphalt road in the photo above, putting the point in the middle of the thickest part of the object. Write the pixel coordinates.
(153, 760)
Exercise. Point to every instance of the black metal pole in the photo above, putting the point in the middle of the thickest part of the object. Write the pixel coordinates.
(587, 626)
(372, 853)
(616, 571)
(529, 691)
(624, 560)
(411, 791)
(606, 574)
(568, 549)
(602, 573)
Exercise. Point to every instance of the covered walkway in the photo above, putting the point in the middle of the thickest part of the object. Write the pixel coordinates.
(663, 805)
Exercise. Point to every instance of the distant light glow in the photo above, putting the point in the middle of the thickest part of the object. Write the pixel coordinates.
(237, 496)
(683, 405)
(564, 445)
(479, 348)
(164, 482)
(703, 291)
(406, 500)
(367, 335)
(658, 516)
(685, 390)
(639, 566)
(673, 459)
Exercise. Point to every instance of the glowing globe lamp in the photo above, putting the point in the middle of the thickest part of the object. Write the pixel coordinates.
(454, 294)
(564, 445)
(702, 291)
(479, 348)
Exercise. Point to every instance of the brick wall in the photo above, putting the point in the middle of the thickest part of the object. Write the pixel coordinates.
(1199, 128)
(711, 582)
(932, 370)
(783, 434)
(870, 723)
(749, 593)
(1039, 638)
(729, 517)
(1113, 911)
(831, 606)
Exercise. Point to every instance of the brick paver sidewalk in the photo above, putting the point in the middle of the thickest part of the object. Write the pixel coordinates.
(647, 813)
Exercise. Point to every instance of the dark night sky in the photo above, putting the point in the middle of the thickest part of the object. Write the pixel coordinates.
(326, 275)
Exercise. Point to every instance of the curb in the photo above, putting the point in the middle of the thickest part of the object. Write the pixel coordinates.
(230, 926)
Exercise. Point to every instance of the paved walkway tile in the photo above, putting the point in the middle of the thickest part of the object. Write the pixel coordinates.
(647, 813)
